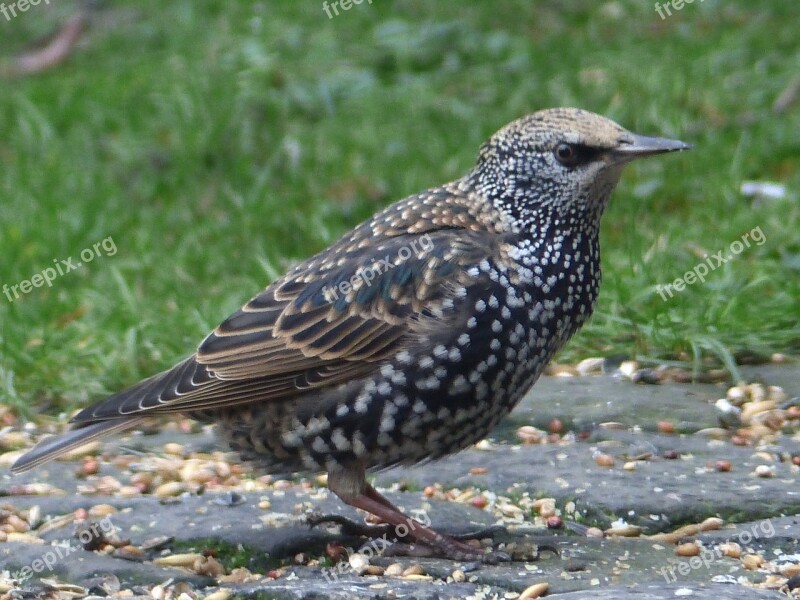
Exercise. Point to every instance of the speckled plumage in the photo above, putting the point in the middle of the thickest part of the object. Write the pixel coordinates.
(411, 337)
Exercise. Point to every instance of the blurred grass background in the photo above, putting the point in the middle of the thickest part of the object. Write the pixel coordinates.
(218, 142)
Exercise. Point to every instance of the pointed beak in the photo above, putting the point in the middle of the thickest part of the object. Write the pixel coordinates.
(637, 146)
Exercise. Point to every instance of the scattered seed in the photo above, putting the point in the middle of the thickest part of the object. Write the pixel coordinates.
(723, 466)
(209, 566)
(537, 590)
(394, 570)
(89, 466)
(688, 549)
(624, 530)
(479, 502)
(528, 434)
(34, 516)
(731, 549)
(102, 510)
(751, 409)
(790, 570)
(737, 395)
(710, 524)
(178, 560)
(764, 471)
(174, 449)
(415, 569)
(612, 425)
(170, 489)
(757, 392)
(594, 532)
(554, 522)
(243, 575)
(158, 592)
(545, 506)
(17, 524)
(665, 427)
(604, 460)
(589, 366)
(14, 440)
(359, 563)
(413, 577)
(562, 371)
(751, 562)
(628, 368)
(478, 471)
(459, 576)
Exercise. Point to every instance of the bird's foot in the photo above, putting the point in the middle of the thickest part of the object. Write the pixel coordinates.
(350, 527)
(390, 532)
(453, 547)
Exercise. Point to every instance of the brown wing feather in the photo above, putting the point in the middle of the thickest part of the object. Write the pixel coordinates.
(308, 331)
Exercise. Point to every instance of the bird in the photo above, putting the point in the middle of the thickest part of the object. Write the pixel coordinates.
(412, 336)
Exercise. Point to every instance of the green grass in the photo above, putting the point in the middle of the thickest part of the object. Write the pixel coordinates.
(218, 142)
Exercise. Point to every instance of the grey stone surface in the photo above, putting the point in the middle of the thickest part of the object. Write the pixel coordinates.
(658, 495)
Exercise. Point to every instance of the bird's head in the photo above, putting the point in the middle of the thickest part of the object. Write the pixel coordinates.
(560, 161)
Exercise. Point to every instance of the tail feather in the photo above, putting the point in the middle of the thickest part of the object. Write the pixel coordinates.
(50, 447)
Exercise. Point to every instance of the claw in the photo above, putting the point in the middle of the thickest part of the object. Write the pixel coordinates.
(480, 534)
(350, 527)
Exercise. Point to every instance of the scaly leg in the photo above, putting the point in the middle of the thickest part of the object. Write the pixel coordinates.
(352, 487)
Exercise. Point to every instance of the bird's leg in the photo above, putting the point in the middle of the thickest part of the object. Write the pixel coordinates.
(478, 534)
(352, 487)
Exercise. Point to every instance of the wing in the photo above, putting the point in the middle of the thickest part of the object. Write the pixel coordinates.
(399, 279)
(335, 318)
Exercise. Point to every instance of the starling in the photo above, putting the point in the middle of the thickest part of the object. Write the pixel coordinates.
(411, 337)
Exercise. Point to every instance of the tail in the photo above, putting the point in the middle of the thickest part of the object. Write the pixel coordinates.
(50, 447)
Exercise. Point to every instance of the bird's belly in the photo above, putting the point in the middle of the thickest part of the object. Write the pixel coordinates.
(418, 407)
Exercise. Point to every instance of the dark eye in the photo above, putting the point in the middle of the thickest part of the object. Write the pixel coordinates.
(573, 155)
(566, 154)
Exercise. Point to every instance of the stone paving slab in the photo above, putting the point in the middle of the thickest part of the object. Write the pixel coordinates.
(657, 495)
